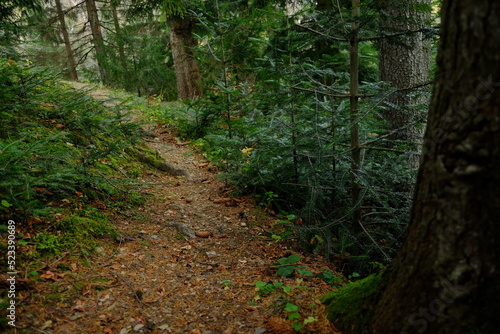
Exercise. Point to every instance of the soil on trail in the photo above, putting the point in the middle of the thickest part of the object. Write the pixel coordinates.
(153, 280)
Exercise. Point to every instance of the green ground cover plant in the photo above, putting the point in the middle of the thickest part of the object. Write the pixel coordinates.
(60, 151)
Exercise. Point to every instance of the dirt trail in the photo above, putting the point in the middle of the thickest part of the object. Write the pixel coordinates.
(151, 280)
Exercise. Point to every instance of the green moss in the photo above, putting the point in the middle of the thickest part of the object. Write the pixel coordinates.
(74, 230)
(85, 227)
(350, 308)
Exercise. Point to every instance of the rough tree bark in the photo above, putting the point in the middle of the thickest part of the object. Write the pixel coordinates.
(446, 279)
(67, 42)
(405, 62)
(186, 68)
(97, 39)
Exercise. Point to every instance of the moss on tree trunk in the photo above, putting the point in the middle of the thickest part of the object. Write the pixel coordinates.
(350, 308)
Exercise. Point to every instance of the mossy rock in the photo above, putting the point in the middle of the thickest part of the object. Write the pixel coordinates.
(350, 308)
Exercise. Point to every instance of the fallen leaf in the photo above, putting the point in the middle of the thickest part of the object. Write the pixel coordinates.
(46, 324)
(138, 327)
(86, 289)
(221, 200)
(204, 234)
(79, 306)
(48, 275)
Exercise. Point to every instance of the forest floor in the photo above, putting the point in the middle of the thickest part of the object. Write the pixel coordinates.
(153, 280)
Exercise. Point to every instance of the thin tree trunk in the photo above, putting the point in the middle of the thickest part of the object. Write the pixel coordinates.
(405, 63)
(121, 50)
(67, 42)
(446, 279)
(354, 109)
(187, 73)
(97, 39)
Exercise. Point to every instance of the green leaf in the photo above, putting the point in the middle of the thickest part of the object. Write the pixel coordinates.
(265, 288)
(290, 259)
(310, 320)
(289, 307)
(297, 326)
(285, 271)
(304, 272)
(6, 204)
(354, 275)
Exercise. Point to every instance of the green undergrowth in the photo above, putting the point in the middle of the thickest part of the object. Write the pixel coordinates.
(293, 162)
(62, 154)
(350, 308)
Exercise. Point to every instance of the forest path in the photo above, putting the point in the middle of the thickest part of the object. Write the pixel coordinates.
(151, 280)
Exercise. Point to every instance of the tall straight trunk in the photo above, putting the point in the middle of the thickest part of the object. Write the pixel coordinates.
(354, 110)
(121, 48)
(67, 42)
(446, 279)
(186, 68)
(97, 39)
(405, 63)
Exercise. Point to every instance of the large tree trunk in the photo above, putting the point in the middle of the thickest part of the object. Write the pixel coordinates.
(97, 39)
(446, 279)
(67, 42)
(187, 73)
(405, 63)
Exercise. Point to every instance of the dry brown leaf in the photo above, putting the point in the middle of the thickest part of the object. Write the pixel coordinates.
(277, 325)
(221, 200)
(232, 202)
(115, 266)
(86, 289)
(79, 306)
(48, 275)
(195, 331)
(204, 234)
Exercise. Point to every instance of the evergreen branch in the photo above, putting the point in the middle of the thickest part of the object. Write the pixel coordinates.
(381, 149)
(330, 94)
(367, 39)
(403, 33)
(333, 38)
(375, 243)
